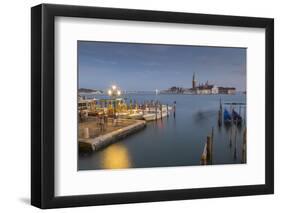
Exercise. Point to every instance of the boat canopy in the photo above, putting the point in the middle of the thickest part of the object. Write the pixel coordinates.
(226, 115)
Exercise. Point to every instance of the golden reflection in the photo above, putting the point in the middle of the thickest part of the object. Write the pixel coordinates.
(116, 156)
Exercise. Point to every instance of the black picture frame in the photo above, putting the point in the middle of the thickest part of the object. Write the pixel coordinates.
(43, 101)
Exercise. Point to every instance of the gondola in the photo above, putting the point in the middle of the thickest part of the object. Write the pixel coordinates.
(226, 117)
(237, 119)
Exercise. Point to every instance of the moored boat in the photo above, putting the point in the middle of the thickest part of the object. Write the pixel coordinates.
(154, 116)
(226, 117)
(136, 115)
(122, 114)
(149, 117)
(236, 117)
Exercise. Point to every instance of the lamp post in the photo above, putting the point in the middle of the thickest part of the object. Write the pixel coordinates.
(114, 92)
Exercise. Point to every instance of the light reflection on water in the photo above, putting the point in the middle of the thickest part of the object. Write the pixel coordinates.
(115, 156)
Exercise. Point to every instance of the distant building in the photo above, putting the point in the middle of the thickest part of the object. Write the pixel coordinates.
(227, 90)
(206, 89)
(174, 90)
(201, 89)
(193, 81)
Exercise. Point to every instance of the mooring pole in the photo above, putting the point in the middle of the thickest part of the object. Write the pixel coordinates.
(155, 111)
(219, 118)
(212, 134)
(220, 114)
(240, 110)
(245, 109)
(209, 149)
(235, 142)
(203, 160)
(244, 147)
(174, 108)
(230, 136)
(161, 111)
(130, 106)
(212, 144)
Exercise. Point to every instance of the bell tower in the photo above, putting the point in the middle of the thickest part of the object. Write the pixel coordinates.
(193, 81)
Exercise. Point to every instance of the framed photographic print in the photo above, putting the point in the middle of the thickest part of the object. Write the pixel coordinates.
(139, 106)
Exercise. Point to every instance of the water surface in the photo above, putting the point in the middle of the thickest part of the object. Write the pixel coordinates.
(173, 141)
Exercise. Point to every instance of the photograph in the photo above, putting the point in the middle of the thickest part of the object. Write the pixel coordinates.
(139, 105)
(143, 105)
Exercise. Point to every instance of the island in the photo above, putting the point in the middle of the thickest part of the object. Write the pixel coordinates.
(90, 91)
(201, 89)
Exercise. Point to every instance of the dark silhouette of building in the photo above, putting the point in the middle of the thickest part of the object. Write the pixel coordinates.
(193, 81)
(227, 90)
(201, 89)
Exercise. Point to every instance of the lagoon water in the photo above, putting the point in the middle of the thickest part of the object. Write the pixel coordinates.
(174, 141)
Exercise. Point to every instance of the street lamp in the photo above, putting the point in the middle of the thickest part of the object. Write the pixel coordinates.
(114, 92)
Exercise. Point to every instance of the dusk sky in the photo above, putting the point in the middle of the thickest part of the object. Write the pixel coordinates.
(146, 67)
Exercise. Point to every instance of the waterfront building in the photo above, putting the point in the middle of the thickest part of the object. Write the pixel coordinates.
(227, 90)
(174, 90)
(202, 89)
(206, 89)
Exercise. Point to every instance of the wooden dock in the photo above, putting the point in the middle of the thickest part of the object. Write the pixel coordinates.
(106, 139)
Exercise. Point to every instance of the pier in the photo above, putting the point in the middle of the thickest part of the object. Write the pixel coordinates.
(92, 138)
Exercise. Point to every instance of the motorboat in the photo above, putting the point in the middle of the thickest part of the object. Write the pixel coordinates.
(136, 115)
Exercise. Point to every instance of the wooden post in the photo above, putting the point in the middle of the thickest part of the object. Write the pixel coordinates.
(209, 148)
(161, 110)
(230, 137)
(130, 106)
(174, 108)
(167, 108)
(220, 114)
(204, 156)
(134, 103)
(212, 143)
(245, 108)
(231, 126)
(235, 142)
(155, 111)
(219, 118)
(244, 147)
(240, 110)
